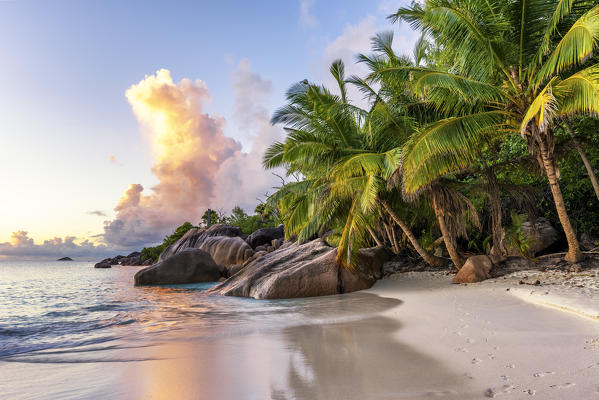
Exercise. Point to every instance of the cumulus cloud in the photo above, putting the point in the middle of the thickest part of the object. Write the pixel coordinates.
(22, 246)
(307, 19)
(189, 146)
(97, 213)
(196, 164)
(241, 179)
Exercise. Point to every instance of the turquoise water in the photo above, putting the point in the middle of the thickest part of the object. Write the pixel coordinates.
(53, 305)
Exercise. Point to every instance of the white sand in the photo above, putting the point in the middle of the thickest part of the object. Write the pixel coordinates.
(507, 346)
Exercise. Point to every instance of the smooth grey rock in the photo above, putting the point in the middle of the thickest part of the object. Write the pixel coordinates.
(187, 266)
(540, 234)
(227, 250)
(105, 263)
(302, 271)
(193, 238)
(265, 236)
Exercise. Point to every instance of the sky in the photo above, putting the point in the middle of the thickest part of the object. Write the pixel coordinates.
(121, 120)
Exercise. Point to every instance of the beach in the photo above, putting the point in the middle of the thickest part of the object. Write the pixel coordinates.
(413, 335)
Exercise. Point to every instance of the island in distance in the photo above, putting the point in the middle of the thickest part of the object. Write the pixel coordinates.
(65, 259)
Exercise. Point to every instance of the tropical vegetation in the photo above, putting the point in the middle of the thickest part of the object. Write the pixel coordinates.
(492, 118)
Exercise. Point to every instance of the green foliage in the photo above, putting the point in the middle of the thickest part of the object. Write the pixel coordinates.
(251, 223)
(492, 84)
(154, 252)
(211, 217)
(515, 235)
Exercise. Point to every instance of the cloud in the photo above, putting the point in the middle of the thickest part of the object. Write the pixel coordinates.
(356, 38)
(22, 246)
(189, 147)
(97, 213)
(241, 179)
(307, 19)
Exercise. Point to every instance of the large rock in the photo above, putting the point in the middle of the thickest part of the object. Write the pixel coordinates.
(302, 271)
(475, 269)
(540, 235)
(193, 238)
(132, 259)
(265, 236)
(227, 251)
(368, 270)
(187, 266)
(105, 263)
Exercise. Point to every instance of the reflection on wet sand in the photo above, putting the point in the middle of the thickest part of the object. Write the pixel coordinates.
(225, 348)
(357, 359)
(361, 360)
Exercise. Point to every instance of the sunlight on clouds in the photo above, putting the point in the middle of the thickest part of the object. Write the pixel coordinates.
(189, 147)
(22, 246)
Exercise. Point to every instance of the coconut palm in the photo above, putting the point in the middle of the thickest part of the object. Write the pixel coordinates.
(511, 67)
(344, 154)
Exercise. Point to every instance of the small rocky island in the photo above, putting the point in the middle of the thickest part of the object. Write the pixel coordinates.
(65, 259)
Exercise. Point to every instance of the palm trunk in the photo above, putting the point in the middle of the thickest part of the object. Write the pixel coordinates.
(585, 160)
(455, 256)
(395, 242)
(429, 258)
(390, 238)
(574, 254)
(496, 217)
(374, 236)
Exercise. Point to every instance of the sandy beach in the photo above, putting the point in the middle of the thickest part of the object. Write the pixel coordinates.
(526, 341)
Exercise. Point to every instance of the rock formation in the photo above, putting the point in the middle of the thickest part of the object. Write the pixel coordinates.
(475, 269)
(265, 236)
(133, 259)
(195, 237)
(302, 271)
(187, 266)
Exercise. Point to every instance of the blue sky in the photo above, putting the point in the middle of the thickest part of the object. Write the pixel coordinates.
(66, 65)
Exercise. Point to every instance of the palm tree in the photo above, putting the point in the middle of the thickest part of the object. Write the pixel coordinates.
(514, 67)
(344, 154)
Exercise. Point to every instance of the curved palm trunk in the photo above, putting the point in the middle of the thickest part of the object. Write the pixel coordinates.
(455, 256)
(374, 236)
(429, 258)
(585, 160)
(496, 218)
(574, 254)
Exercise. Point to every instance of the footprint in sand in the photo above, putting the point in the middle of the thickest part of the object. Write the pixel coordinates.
(594, 366)
(505, 389)
(476, 361)
(505, 377)
(542, 374)
(510, 366)
(531, 392)
(462, 349)
(468, 340)
(563, 385)
(491, 356)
